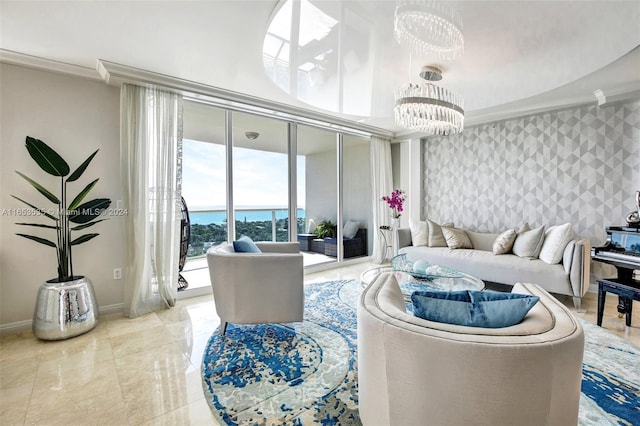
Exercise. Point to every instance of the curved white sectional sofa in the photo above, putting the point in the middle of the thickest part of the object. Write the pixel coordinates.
(569, 277)
(416, 372)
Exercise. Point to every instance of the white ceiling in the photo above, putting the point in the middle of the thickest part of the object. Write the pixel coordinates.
(519, 55)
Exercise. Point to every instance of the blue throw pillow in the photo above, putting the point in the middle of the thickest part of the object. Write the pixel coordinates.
(245, 244)
(489, 309)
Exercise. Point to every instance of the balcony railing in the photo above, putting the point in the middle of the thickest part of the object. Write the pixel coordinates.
(209, 227)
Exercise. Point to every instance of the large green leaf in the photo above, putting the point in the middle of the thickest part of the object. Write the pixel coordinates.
(76, 201)
(80, 170)
(48, 160)
(86, 225)
(90, 210)
(41, 189)
(39, 225)
(83, 239)
(39, 240)
(39, 210)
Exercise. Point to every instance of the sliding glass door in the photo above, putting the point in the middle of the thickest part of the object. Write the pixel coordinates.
(356, 197)
(204, 179)
(280, 181)
(320, 150)
(260, 177)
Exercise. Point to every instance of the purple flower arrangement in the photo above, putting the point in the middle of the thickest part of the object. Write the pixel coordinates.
(395, 201)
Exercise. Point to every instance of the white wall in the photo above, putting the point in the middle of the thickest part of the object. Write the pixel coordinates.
(321, 186)
(75, 116)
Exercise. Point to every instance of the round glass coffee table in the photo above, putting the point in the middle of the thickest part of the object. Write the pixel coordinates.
(409, 284)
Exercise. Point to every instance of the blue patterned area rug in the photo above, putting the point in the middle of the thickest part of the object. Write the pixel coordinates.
(306, 373)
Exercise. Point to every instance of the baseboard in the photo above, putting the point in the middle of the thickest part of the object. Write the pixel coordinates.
(194, 292)
(25, 326)
(15, 327)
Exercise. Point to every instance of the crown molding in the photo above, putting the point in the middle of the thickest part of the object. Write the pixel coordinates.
(35, 62)
(505, 112)
(525, 108)
(118, 74)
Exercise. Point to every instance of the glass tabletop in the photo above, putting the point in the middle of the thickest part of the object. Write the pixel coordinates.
(409, 284)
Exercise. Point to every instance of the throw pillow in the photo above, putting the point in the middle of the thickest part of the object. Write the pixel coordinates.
(436, 238)
(529, 243)
(487, 309)
(504, 242)
(350, 229)
(555, 241)
(456, 238)
(245, 244)
(419, 232)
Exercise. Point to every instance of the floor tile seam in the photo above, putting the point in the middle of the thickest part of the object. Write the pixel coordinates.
(80, 365)
(143, 349)
(88, 396)
(127, 321)
(152, 421)
(26, 410)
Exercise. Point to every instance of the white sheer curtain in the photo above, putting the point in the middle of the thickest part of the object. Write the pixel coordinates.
(151, 150)
(381, 184)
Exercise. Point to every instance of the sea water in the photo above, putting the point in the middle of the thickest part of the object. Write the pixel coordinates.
(218, 217)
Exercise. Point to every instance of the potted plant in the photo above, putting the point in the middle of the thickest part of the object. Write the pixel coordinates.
(66, 304)
(326, 229)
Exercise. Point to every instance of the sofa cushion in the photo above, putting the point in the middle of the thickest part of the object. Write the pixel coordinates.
(436, 238)
(529, 243)
(481, 240)
(456, 238)
(487, 309)
(504, 242)
(350, 229)
(555, 241)
(419, 232)
(245, 244)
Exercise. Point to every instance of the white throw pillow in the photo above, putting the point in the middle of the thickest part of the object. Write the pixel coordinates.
(456, 238)
(555, 241)
(419, 232)
(350, 229)
(529, 243)
(504, 242)
(436, 239)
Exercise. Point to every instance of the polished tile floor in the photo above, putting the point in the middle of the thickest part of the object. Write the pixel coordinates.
(146, 371)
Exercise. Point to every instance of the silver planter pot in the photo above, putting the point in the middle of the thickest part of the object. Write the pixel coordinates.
(65, 310)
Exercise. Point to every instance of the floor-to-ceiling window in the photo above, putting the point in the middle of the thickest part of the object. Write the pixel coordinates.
(261, 178)
(356, 197)
(260, 166)
(204, 180)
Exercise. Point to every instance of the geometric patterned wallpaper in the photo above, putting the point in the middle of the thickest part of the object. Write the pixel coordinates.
(579, 165)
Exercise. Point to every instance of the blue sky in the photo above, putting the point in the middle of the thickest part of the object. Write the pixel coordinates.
(260, 177)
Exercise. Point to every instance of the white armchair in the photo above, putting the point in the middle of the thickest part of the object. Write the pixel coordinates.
(256, 288)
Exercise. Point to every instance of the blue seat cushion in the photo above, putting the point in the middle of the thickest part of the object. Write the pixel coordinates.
(489, 309)
(245, 244)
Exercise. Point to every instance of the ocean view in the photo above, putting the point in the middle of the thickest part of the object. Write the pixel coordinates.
(218, 217)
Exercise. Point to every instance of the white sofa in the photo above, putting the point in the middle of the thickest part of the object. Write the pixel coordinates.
(416, 372)
(569, 277)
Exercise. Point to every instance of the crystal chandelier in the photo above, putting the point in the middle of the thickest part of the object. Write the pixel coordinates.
(428, 27)
(427, 108)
